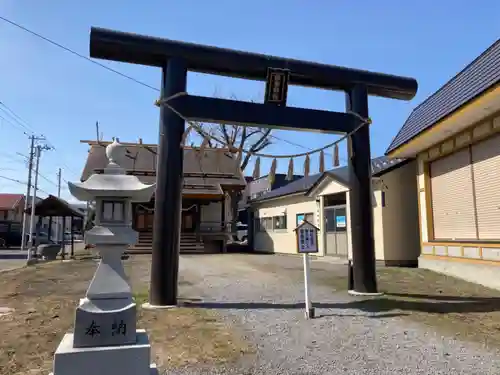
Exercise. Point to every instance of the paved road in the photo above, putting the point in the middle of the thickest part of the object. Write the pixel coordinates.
(20, 255)
(6, 264)
(8, 254)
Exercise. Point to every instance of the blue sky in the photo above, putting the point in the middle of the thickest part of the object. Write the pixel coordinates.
(62, 96)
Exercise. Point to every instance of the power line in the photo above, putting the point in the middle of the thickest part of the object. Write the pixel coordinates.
(67, 49)
(26, 126)
(63, 163)
(10, 157)
(13, 125)
(29, 128)
(46, 179)
(43, 191)
(22, 183)
(76, 53)
(16, 117)
(14, 180)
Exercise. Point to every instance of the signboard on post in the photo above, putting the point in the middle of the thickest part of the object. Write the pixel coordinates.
(307, 238)
(277, 86)
(307, 243)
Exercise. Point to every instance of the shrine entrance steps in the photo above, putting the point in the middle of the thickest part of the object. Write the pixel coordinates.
(190, 244)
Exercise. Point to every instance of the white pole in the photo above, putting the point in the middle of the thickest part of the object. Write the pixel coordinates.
(307, 290)
(33, 202)
(28, 191)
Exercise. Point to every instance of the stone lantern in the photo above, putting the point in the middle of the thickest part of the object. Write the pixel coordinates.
(105, 339)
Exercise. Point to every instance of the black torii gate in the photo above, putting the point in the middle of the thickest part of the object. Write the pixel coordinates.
(176, 58)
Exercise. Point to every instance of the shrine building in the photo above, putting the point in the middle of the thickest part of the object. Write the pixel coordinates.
(211, 178)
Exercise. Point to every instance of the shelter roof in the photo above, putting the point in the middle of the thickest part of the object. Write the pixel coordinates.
(53, 206)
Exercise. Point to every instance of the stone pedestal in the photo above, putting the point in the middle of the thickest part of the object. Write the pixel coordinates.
(103, 323)
(107, 316)
(131, 359)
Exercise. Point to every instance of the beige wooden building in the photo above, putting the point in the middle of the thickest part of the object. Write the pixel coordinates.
(455, 137)
(323, 200)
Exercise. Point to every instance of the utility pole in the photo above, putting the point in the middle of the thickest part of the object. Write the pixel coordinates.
(28, 190)
(59, 176)
(58, 226)
(38, 153)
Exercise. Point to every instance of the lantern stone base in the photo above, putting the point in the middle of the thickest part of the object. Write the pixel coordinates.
(106, 360)
(105, 322)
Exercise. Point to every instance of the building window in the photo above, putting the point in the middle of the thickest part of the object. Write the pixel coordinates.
(279, 222)
(383, 199)
(257, 195)
(309, 217)
(330, 220)
(15, 227)
(113, 211)
(335, 220)
(265, 224)
(257, 226)
(268, 224)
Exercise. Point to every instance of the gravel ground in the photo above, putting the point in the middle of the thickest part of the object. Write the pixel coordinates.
(340, 341)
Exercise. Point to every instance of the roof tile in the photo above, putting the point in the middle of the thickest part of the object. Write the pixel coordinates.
(379, 165)
(217, 167)
(10, 201)
(477, 77)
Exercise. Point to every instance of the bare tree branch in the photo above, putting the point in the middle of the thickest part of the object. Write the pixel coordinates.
(253, 139)
(236, 131)
(259, 145)
(222, 128)
(202, 129)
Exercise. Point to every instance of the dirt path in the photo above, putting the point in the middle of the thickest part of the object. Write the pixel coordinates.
(264, 295)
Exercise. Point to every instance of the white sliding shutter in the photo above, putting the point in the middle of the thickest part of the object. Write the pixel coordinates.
(486, 169)
(452, 197)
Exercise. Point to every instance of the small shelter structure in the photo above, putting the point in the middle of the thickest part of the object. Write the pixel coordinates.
(55, 207)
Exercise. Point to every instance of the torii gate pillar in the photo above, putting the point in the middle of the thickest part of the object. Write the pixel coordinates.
(167, 218)
(361, 195)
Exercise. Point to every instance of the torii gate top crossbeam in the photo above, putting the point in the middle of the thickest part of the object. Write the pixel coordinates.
(145, 50)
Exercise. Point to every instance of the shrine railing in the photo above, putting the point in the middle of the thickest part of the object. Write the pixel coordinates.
(207, 227)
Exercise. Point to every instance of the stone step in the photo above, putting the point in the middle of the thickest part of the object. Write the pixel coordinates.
(147, 249)
(186, 243)
(183, 236)
(196, 247)
(189, 243)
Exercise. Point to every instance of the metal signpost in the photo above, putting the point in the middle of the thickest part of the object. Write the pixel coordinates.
(307, 243)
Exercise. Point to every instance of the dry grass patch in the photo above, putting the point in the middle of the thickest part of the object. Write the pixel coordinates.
(44, 298)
